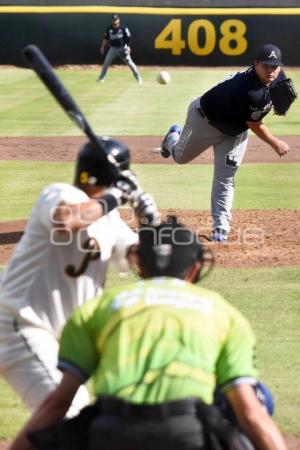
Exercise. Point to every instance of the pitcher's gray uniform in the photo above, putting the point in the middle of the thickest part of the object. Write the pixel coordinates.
(37, 296)
(221, 118)
(118, 37)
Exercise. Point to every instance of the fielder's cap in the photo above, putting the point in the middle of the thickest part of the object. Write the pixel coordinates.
(168, 248)
(270, 54)
(115, 17)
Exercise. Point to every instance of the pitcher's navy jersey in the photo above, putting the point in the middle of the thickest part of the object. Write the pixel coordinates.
(117, 37)
(238, 99)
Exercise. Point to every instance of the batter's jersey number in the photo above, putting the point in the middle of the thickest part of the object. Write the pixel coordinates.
(232, 41)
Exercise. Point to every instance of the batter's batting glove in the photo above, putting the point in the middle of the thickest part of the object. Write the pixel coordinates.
(128, 184)
(143, 204)
(145, 208)
(120, 193)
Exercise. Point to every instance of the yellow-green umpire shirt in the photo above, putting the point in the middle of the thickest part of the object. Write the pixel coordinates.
(157, 340)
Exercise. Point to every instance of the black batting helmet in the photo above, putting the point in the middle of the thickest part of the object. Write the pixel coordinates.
(169, 248)
(90, 168)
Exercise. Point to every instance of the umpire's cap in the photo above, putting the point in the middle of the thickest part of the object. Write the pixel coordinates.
(90, 168)
(168, 249)
(115, 17)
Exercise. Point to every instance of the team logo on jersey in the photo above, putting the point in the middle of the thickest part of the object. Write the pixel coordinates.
(92, 253)
(257, 114)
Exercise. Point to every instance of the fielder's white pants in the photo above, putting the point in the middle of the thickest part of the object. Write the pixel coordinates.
(197, 136)
(28, 360)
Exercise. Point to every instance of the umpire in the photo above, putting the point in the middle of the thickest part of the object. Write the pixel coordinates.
(118, 38)
(156, 350)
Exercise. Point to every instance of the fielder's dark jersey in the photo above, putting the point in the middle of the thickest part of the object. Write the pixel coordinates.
(117, 37)
(240, 98)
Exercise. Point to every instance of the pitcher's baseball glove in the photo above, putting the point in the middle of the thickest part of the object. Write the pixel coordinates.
(283, 94)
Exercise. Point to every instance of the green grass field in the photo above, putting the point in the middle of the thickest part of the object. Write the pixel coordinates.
(269, 297)
(117, 107)
(258, 185)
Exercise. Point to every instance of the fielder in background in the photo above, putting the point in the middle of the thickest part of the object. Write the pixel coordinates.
(156, 350)
(118, 38)
(60, 262)
(221, 118)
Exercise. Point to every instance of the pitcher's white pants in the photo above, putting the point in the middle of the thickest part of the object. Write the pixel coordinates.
(197, 136)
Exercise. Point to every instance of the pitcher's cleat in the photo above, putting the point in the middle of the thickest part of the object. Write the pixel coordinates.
(156, 150)
(219, 235)
(170, 140)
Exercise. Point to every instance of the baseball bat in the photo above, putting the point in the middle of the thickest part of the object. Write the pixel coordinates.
(37, 61)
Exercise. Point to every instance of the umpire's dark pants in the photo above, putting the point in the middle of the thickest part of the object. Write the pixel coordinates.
(168, 426)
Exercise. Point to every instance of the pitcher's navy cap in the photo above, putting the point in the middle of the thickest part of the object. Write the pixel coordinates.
(270, 54)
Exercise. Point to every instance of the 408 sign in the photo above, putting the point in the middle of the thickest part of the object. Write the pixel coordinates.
(160, 36)
(202, 37)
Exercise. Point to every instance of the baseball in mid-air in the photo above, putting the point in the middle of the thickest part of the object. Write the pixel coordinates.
(163, 77)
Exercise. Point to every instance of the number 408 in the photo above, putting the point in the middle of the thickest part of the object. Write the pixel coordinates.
(232, 42)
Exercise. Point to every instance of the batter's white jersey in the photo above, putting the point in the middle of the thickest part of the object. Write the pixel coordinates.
(35, 287)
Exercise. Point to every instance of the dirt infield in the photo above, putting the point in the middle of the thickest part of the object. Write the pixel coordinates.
(141, 149)
(258, 237)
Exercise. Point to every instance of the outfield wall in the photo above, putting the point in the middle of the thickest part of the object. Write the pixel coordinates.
(162, 3)
(161, 36)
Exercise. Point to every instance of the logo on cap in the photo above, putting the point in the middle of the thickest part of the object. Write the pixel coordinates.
(269, 54)
(86, 178)
(272, 54)
(163, 254)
